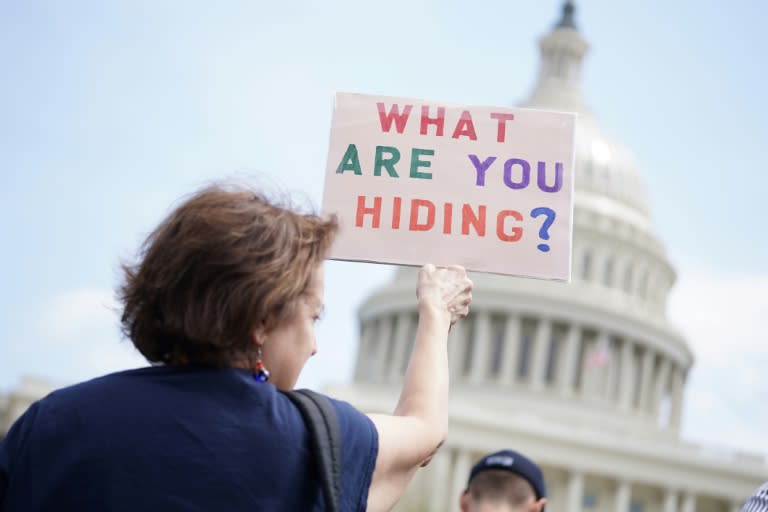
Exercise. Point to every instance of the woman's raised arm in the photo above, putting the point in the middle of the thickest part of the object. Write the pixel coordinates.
(410, 436)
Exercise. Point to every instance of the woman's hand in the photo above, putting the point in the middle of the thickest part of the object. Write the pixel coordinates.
(445, 291)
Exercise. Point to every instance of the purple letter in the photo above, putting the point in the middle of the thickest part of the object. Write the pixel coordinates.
(508, 173)
(481, 168)
(541, 177)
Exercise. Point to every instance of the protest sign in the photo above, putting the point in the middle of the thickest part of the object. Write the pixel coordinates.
(416, 182)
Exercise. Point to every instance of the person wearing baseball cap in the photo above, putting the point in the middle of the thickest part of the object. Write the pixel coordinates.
(504, 481)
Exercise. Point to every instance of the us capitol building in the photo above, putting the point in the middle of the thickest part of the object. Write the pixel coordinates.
(587, 378)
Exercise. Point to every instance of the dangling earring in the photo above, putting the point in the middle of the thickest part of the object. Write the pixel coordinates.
(260, 373)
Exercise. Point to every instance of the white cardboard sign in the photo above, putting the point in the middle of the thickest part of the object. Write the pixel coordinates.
(417, 182)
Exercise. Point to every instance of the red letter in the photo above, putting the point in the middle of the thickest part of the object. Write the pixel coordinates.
(362, 211)
(386, 118)
(516, 232)
(465, 127)
(438, 121)
(468, 217)
(396, 212)
(501, 133)
(427, 225)
(447, 218)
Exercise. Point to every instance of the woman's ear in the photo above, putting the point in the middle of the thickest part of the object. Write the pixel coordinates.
(259, 336)
(537, 506)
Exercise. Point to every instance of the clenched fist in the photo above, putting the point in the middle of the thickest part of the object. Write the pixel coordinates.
(444, 290)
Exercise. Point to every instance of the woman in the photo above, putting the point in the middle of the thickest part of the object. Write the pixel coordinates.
(223, 303)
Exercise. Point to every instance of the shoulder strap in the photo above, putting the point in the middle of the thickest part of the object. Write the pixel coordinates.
(323, 426)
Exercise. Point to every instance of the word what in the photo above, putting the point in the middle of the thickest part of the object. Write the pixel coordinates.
(464, 126)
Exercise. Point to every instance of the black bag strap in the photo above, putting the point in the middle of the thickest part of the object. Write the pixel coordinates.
(325, 436)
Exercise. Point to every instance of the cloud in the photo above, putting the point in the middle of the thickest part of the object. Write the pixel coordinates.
(80, 338)
(74, 311)
(722, 315)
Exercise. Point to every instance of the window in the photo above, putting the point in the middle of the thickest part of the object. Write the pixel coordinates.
(553, 356)
(589, 500)
(608, 273)
(643, 287)
(637, 358)
(497, 345)
(586, 266)
(524, 351)
(628, 275)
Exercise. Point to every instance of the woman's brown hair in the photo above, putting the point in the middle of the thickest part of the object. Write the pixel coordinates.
(223, 263)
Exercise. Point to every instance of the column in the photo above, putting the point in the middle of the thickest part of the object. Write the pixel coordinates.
(626, 375)
(539, 356)
(440, 468)
(400, 344)
(384, 339)
(567, 370)
(646, 378)
(461, 467)
(689, 503)
(660, 384)
(482, 338)
(670, 501)
(678, 383)
(621, 497)
(575, 492)
(511, 349)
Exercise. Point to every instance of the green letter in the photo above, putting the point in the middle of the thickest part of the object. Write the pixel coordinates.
(350, 161)
(389, 163)
(416, 163)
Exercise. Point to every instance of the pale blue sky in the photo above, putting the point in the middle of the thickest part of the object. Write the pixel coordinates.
(110, 111)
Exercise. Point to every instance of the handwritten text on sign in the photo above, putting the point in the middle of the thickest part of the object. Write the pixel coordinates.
(415, 182)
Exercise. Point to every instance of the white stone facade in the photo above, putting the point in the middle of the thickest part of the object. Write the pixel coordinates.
(587, 378)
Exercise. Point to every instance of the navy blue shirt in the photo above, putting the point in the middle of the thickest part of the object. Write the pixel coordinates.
(171, 439)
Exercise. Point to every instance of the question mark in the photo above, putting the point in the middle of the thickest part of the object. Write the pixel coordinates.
(543, 234)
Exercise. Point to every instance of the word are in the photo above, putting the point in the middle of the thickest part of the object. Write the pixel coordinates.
(465, 126)
(385, 159)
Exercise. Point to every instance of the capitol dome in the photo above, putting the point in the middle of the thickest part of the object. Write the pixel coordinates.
(586, 377)
(603, 166)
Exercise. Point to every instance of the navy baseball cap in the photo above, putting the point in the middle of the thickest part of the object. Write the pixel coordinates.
(514, 462)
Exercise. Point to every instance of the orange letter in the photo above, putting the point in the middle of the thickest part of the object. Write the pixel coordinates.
(396, 212)
(427, 225)
(447, 218)
(516, 232)
(477, 221)
(362, 211)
